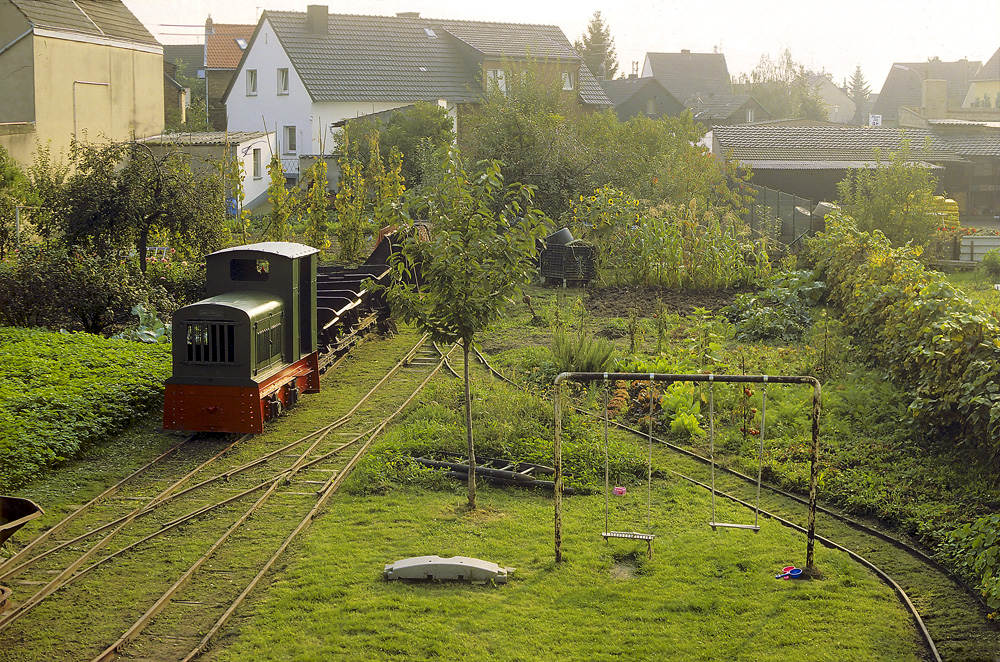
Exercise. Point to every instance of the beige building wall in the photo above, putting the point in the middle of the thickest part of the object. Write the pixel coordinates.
(83, 89)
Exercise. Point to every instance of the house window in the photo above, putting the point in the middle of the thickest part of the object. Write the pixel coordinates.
(289, 134)
(650, 106)
(242, 43)
(496, 77)
(836, 110)
(251, 82)
(257, 166)
(283, 81)
(750, 115)
(569, 80)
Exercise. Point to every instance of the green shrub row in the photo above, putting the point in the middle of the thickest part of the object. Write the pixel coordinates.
(925, 333)
(60, 391)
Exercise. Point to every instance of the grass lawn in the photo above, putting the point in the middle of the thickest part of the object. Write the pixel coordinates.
(703, 596)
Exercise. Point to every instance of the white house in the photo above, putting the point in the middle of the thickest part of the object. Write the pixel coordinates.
(205, 149)
(302, 73)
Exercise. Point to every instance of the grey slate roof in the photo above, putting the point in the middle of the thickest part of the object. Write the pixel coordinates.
(393, 58)
(904, 84)
(105, 18)
(718, 108)
(689, 75)
(763, 143)
(192, 55)
(990, 70)
(621, 90)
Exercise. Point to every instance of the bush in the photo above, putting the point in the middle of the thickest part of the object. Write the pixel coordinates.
(976, 550)
(73, 288)
(183, 281)
(581, 353)
(781, 312)
(991, 263)
(60, 391)
(926, 334)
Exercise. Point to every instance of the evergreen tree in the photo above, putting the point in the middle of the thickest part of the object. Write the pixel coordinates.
(597, 47)
(859, 92)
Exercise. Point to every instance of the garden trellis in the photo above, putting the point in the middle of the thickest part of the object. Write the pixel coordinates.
(587, 377)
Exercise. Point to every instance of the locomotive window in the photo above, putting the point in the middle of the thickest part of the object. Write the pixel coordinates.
(249, 269)
(210, 342)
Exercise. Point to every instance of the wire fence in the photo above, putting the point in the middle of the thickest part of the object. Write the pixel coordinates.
(781, 217)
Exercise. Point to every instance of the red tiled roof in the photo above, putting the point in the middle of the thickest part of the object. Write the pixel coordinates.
(221, 49)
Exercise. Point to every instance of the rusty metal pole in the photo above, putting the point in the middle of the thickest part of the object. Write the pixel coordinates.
(557, 454)
(813, 478)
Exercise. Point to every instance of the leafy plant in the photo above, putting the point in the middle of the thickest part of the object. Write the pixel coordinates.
(580, 352)
(976, 548)
(991, 263)
(781, 312)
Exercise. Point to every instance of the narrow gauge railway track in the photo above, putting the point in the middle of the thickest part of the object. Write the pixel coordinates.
(157, 564)
(950, 616)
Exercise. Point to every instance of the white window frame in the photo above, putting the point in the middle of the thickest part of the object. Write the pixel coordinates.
(258, 169)
(749, 115)
(651, 106)
(496, 77)
(568, 81)
(283, 80)
(289, 143)
(251, 82)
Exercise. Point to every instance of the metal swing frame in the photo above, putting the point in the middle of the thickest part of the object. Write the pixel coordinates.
(662, 377)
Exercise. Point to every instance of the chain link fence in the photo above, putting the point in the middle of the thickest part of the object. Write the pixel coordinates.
(781, 217)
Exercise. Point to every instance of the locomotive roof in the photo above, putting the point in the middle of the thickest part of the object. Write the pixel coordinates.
(282, 248)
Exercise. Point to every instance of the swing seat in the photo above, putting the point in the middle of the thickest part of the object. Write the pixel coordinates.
(628, 535)
(752, 527)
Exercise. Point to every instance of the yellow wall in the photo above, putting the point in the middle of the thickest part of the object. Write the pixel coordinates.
(91, 91)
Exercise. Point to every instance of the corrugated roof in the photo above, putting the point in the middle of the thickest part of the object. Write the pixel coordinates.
(395, 58)
(105, 18)
(204, 138)
(222, 51)
(690, 75)
(749, 143)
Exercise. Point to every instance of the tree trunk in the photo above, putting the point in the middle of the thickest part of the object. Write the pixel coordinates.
(468, 429)
(143, 241)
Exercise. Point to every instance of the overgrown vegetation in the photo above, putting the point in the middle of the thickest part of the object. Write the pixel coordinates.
(60, 392)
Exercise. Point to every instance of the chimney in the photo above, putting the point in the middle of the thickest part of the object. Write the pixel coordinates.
(934, 104)
(209, 26)
(408, 14)
(317, 19)
(685, 51)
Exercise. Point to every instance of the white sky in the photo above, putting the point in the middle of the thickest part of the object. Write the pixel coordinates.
(832, 35)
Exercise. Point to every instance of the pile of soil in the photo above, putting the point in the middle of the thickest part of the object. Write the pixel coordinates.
(618, 301)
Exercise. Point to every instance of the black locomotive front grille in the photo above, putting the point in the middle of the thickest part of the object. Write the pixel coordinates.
(211, 342)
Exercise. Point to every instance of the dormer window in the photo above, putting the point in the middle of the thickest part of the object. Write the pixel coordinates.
(242, 43)
(430, 33)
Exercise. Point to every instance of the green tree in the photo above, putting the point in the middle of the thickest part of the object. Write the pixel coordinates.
(196, 115)
(417, 133)
(317, 212)
(282, 201)
(859, 92)
(896, 197)
(809, 102)
(477, 258)
(121, 194)
(15, 191)
(597, 47)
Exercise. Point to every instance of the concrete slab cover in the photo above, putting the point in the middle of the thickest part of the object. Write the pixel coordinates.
(457, 568)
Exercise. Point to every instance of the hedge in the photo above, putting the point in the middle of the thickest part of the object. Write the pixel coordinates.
(927, 335)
